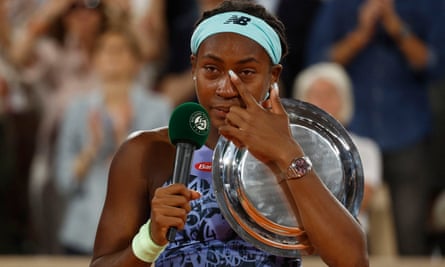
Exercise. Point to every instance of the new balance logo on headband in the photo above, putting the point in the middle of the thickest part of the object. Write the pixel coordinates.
(240, 20)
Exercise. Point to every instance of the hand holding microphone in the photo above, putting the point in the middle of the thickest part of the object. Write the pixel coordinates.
(188, 130)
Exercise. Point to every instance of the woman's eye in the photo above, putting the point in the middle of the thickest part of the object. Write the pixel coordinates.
(246, 73)
(210, 69)
(211, 72)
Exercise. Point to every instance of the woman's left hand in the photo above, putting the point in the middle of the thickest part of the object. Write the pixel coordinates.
(261, 128)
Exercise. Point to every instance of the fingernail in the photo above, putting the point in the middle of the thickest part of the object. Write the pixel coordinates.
(275, 87)
(232, 74)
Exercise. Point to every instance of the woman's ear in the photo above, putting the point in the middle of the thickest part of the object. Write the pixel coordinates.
(276, 72)
(193, 63)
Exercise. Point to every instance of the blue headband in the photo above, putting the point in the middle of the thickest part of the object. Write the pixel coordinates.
(241, 23)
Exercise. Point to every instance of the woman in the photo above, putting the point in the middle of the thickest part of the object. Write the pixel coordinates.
(235, 64)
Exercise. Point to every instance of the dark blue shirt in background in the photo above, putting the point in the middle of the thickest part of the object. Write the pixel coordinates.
(391, 99)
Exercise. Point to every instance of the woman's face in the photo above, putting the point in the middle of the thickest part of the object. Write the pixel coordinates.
(82, 21)
(229, 51)
(114, 58)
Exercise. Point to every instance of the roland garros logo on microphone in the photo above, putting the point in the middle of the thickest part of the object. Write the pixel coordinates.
(199, 123)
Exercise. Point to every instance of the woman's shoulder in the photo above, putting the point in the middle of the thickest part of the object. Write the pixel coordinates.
(145, 139)
(149, 145)
(148, 152)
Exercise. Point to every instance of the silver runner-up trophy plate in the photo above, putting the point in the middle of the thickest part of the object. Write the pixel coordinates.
(253, 202)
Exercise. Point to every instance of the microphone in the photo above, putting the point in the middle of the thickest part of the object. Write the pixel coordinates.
(188, 130)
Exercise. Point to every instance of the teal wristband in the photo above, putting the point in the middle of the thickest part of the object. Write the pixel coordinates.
(144, 248)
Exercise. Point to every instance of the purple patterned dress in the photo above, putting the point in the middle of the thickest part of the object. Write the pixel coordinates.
(208, 240)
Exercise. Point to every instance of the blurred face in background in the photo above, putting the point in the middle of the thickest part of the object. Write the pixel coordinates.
(325, 95)
(116, 57)
(81, 20)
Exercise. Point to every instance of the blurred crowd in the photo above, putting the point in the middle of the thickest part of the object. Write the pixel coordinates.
(78, 76)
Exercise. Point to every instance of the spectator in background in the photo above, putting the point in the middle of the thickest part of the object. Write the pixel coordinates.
(328, 86)
(168, 26)
(391, 49)
(94, 126)
(52, 54)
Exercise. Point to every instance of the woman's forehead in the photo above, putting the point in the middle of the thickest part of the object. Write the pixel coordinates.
(232, 45)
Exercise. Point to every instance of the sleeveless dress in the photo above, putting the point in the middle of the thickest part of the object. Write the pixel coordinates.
(208, 240)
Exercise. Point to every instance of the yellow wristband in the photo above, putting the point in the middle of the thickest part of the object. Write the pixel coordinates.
(144, 248)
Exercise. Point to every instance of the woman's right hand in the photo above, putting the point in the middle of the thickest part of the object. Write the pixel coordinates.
(169, 208)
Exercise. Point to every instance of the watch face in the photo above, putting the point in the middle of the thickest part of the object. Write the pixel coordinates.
(298, 168)
(301, 166)
(255, 205)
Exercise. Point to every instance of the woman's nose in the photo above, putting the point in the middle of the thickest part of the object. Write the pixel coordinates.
(225, 88)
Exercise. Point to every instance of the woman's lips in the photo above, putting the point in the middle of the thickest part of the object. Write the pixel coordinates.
(221, 111)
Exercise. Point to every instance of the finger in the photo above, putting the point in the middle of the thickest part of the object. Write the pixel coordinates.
(173, 189)
(164, 221)
(229, 132)
(277, 107)
(177, 201)
(175, 195)
(169, 211)
(195, 195)
(248, 99)
(237, 118)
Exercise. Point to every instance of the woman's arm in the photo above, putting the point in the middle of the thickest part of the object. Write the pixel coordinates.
(126, 208)
(331, 229)
(335, 235)
(135, 193)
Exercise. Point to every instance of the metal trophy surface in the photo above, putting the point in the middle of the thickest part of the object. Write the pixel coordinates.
(255, 205)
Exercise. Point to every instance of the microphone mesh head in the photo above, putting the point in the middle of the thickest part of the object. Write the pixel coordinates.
(189, 123)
